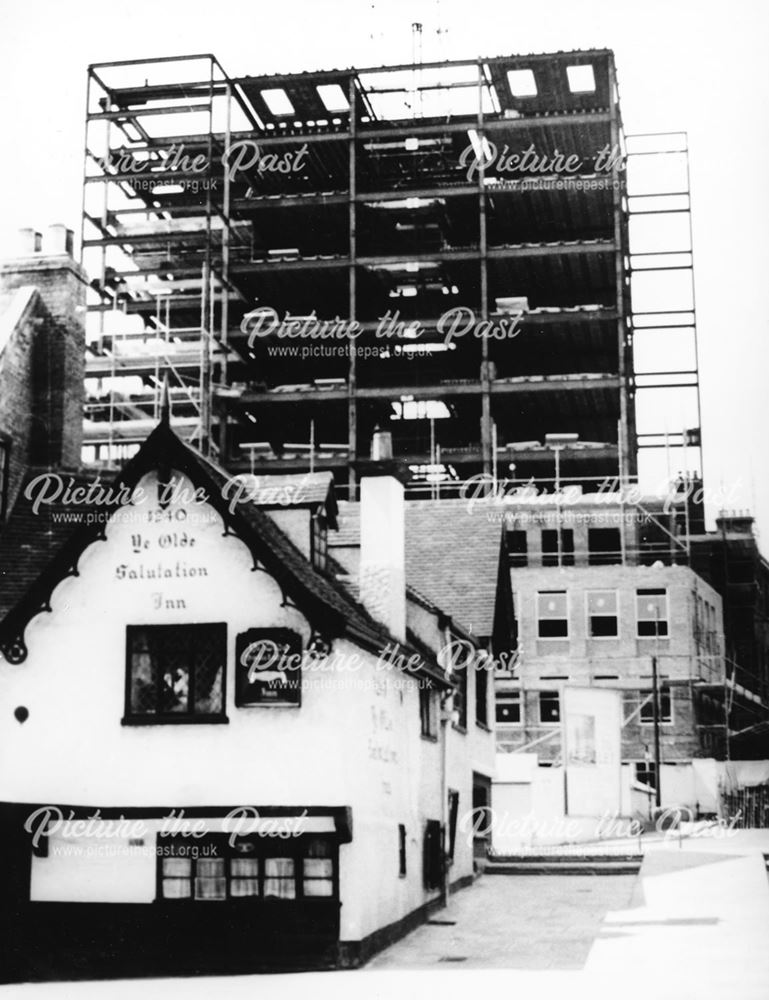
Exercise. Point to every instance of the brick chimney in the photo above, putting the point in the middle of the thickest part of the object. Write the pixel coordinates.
(49, 358)
(383, 538)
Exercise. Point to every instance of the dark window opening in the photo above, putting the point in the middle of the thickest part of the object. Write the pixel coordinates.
(604, 546)
(646, 773)
(319, 541)
(460, 696)
(433, 854)
(428, 711)
(453, 812)
(508, 708)
(517, 548)
(550, 547)
(401, 850)
(549, 707)
(664, 702)
(602, 614)
(175, 672)
(482, 691)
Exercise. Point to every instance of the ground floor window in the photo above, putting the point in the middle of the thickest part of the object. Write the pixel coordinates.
(214, 869)
(646, 773)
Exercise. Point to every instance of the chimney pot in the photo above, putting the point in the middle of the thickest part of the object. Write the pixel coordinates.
(381, 446)
(27, 242)
(58, 240)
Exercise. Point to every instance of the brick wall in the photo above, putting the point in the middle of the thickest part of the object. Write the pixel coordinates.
(52, 385)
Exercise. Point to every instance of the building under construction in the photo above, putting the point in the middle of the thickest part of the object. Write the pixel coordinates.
(450, 250)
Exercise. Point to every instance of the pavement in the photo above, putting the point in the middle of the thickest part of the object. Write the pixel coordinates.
(693, 924)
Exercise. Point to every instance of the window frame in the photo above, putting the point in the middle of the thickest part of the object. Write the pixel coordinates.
(517, 694)
(134, 718)
(550, 555)
(664, 691)
(589, 616)
(550, 692)
(553, 638)
(642, 592)
(263, 849)
(428, 711)
(319, 539)
(402, 851)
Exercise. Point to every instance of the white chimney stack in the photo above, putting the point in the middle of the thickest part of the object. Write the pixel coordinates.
(383, 542)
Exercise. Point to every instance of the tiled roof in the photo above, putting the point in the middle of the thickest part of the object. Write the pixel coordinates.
(452, 556)
(301, 489)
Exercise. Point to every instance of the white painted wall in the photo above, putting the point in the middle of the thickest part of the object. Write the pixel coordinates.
(355, 741)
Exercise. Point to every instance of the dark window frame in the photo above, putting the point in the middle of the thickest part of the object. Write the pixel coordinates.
(598, 553)
(319, 540)
(402, 853)
(549, 696)
(428, 711)
(160, 717)
(664, 701)
(482, 665)
(549, 541)
(511, 696)
(517, 545)
(262, 848)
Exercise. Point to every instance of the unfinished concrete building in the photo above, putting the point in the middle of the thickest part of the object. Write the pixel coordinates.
(457, 240)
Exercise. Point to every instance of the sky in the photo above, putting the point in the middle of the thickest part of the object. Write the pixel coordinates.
(698, 67)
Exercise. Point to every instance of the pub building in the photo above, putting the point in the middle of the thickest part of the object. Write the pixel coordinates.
(220, 751)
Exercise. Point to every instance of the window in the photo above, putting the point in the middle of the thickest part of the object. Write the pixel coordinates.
(319, 540)
(433, 854)
(278, 102)
(460, 696)
(522, 83)
(602, 614)
(268, 667)
(604, 546)
(581, 79)
(428, 711)
(401, 850)
(552, 614)
(550, 547)
(333, 97)
(176, 673)
(549, 707)
(517, 548)
(453, 811)
(482, 666)
(251, 867)
(665, 706)
(646, 773)
(508, 708)
(652, 612)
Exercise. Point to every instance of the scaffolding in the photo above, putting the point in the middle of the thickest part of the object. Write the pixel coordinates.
(474, 299)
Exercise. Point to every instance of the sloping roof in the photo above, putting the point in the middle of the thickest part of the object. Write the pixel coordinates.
(299, 489)
(452, 556)
(38, 550)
